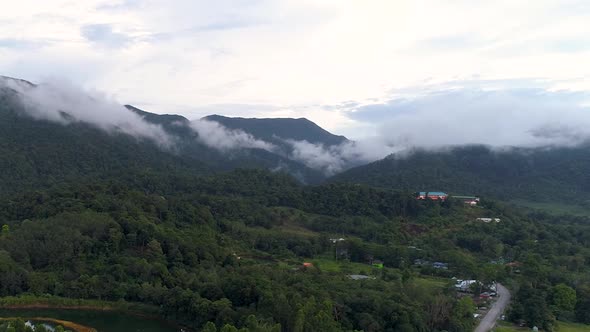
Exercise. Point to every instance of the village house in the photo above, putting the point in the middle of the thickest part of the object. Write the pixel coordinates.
(470, 200)
(440, 265)
(433, 195)
(488, 220)
(464, 285)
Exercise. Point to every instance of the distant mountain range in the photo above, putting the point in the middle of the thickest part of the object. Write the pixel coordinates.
(540, 175)
(41, 152)
(278, 130)
(37, 152)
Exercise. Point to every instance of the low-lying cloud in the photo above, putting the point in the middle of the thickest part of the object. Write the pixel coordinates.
(215, 135)
(510, 117)
(336, 158)
(64, 103)
(498, 118)
(478, 112)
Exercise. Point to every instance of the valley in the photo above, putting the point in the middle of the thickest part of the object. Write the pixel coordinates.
(225, 230)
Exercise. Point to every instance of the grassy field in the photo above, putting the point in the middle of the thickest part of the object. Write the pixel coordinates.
(554, 208)
(563, 327)
(432, 283)
(330, 265)
(571, 327)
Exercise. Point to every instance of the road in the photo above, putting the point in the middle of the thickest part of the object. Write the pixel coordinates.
(489, 321)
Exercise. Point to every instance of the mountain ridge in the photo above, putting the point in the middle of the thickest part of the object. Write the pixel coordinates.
(535, 174)
(276, 130)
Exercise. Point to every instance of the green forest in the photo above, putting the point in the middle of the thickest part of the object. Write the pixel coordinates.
(226, 252)
(104, 220)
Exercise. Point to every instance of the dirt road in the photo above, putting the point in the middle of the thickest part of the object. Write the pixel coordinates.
(489, 321)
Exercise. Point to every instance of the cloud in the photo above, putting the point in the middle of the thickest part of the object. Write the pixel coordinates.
(329, 159)
(61, 102)
(217, 136)
(524, 117)
(119, 5)
(103, 34)
(20, 43)
(288, 52)
(336, 158)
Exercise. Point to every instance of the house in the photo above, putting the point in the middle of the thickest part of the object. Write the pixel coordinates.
(440, 265)
(433, 195)
(470, 200)
(464, 285)
(488, 220)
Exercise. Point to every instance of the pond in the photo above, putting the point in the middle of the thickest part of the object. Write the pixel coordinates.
(102, 321)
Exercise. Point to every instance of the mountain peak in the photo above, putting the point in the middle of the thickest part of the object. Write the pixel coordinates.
(20, 82)
(276, 129)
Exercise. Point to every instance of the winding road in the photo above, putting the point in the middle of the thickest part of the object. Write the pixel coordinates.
(489, 320)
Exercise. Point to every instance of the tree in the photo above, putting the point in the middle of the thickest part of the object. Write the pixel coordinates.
(228, 328)
(563, 299)
(462, 315)
(19, 325)
(438, 311)
(40, 328)
(209, 327)
(583, 305)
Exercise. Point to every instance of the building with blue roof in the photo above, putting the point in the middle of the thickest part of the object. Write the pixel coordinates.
(434, 195)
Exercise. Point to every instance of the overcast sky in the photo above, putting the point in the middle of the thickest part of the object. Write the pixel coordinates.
(354, 67)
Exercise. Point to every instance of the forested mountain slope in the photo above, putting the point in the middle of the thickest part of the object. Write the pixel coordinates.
(37, 152)
(280, 129)
(543, 174)
(102, 215)
(217, 250)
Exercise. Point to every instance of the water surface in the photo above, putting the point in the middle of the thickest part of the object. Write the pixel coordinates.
(102, 321)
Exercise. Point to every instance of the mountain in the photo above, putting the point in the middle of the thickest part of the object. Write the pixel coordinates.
(540, 175)
(109, 218)
(38, 152)
(278, 130)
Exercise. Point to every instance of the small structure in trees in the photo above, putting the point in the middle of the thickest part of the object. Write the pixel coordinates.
(433, 195)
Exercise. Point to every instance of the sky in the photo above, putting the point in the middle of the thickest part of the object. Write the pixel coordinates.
(417, 72)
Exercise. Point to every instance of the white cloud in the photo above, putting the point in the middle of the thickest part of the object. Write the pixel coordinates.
(478, 113)
(334, 159)
(62, 102)
(221, 138)
(289, 52)
(290, 57)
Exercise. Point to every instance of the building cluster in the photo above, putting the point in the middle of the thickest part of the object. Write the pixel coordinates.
(441, 196)
(488, 220)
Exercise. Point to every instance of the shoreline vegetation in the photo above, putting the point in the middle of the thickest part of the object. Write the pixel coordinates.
(64, 323)
(56, 302)
(62, 303)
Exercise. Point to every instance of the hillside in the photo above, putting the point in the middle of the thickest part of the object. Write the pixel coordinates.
(541, 175)
(38, 152)
(230, 249)
(278, 130)
(104, 216)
